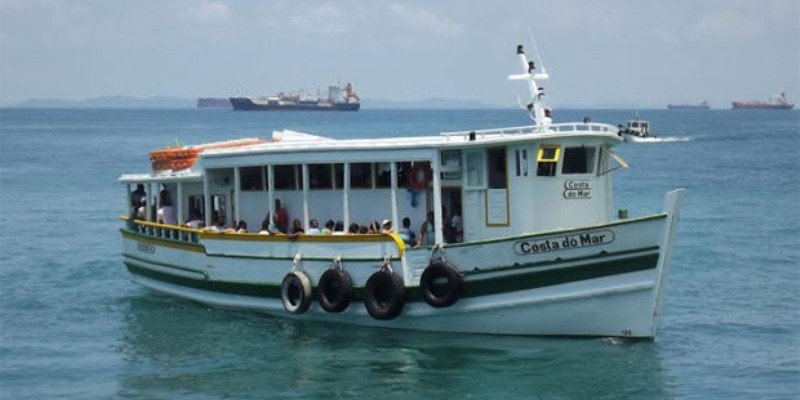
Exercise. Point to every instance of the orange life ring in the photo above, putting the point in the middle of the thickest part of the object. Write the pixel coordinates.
(419, 176)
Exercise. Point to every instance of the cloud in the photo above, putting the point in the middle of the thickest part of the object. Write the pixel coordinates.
(209, 12)
(325, 19)
(731, 23)
(426, 21)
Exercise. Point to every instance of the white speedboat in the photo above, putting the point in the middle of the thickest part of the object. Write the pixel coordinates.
(539, 248)
(636, 130)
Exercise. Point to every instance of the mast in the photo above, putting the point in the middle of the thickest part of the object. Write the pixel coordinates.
(536, 105)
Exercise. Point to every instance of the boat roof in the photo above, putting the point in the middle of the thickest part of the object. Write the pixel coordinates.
(293, 141)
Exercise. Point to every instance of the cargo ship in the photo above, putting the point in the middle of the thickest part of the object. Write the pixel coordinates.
(213, 102)
(774, 103)
(703, 105)
(337, 100)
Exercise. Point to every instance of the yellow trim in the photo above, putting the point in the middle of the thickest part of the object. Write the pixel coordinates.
(255, 237)
(540, 153)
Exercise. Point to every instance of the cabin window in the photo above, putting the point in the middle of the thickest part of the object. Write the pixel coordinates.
(578, 160)
(383, 175)
(320, 176)
(521, 157)
(361, 175)
(474, 166)
(547, 159)
(402, 174)
(251, 178)
(338, 176)
(451, 164)
(497, 168)
(286, 177)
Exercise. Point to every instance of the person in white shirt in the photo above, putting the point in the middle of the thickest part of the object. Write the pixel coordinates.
(313, 228)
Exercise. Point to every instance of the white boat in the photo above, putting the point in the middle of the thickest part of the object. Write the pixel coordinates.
(636, 130)
(537, 248)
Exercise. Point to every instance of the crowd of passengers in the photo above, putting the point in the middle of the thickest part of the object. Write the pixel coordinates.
(165, 214)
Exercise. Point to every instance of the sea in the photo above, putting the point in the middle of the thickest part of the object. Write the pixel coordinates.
(74, 326)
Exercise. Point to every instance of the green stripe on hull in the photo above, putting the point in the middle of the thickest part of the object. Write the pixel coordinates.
(472, 287)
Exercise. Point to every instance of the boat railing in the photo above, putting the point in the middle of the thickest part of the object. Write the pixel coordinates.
(568, 127)
(163, 231)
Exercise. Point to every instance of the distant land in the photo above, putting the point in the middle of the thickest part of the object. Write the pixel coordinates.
(127, 102)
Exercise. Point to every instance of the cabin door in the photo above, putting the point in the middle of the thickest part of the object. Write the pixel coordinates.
(474, 189)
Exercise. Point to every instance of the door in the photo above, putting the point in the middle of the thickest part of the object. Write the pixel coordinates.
(474, 189)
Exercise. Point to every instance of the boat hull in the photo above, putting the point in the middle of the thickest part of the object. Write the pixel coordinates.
(247, 104)
(748, 106)
(603, 280)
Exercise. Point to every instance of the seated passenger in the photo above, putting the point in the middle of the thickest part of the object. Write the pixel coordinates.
(363, 230)
(165, 213)
(297, 227)
(338, 229)
(313, 227)
(374, 228)
(328, 229)
(353, 229)
(386, 226)
(195, 220)
(427, 235)
(241, 227)
(408, 236)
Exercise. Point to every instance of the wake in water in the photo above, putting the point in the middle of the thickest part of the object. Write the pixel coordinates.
(663, 139)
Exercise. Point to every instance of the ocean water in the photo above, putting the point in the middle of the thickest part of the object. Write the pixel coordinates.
(73, 326)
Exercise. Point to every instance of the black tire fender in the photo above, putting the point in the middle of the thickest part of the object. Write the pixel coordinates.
(436, 292)
(296, 292)
(384, 294)
(334, 290)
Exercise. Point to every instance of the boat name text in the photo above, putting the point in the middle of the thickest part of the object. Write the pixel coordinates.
(577, 190)
(565, 242)
(146, 248)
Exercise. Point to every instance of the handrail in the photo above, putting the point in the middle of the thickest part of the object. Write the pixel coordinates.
(516, 130)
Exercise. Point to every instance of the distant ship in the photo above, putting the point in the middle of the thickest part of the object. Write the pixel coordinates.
(703, 105)
(213, 102)
(337, 100)
(774, 103)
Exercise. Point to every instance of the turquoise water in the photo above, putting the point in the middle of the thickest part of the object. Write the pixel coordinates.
(73, 326)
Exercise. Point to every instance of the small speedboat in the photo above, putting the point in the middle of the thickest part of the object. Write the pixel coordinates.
(636, 130)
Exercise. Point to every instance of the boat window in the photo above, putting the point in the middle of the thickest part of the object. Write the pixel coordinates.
(361, 175)
(320, 176)
(474, 164)
(547, 159)
(578, 160)
(521, 162)
(497, 168)
(251, 178)
(196, 206)
(402, 174)
(451, 164)
(285, 177)
(383, 175)
(218, 210)
(338, 176)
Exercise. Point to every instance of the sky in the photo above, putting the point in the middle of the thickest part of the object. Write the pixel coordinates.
(610, 53)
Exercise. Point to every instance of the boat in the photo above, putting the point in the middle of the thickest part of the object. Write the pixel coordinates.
(636, 130)
(774, 103)
(520, 235)
(336, 101)
(703, 105)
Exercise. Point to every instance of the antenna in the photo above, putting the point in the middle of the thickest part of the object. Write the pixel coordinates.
(536, 51)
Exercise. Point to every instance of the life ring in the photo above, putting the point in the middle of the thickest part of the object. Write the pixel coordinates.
(334, 290)
(296, 292)
(419, 176)
(384, 294)
(441, 284)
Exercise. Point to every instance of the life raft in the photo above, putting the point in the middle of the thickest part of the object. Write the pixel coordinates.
(419, 176)
(183, 157)
(441, 284)
(335, 289)
(296, 292)
(384, 294)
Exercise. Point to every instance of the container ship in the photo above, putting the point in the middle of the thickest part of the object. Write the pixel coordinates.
(337, 100)
(774, 103)
(703, 105)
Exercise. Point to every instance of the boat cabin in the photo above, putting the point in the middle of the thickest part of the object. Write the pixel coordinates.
(479, 185)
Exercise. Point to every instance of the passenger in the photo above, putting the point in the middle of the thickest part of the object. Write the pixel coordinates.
(363, 230)
(195, 220)
(457, 225)
(408, 235)
(297, 226)
(165, 213)
(386, 226)
(281, 217)
(241, 227)
(353, 229)
(338, 229)
(427, 235)
(138, 197)
(313, 228)
(374, 228)
(328, 229)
